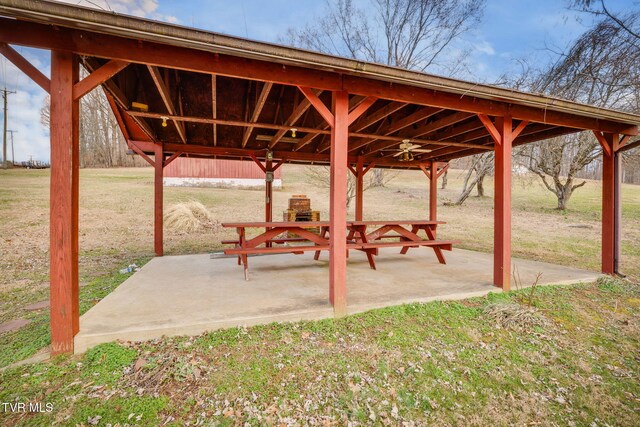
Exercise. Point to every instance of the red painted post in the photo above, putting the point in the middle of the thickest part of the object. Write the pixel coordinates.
(158, 201)
(268, 214)
(502, 206)
(617, 194)
(433, 192)
(610, 186)
(359, 188)
(338, 204)
(75, 211)
(63, 129)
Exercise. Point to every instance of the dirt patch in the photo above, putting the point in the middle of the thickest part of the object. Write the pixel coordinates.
(13, 325)
(37, 306)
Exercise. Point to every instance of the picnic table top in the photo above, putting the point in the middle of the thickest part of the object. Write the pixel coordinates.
(273, 224)
(398, 222)
(307, 224)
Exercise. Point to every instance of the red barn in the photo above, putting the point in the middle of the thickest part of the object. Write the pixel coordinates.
(194, 172)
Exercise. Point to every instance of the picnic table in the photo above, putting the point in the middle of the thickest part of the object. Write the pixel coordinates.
(358, 238)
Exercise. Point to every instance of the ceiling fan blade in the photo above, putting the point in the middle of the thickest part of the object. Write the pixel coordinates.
(421, 150)
(398, 153)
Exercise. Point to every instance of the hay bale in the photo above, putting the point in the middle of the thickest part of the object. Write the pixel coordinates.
(189, 217)
(514, 316)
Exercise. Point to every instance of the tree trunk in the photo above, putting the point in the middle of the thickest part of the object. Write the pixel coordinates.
(480, 185)
(562, 202)
(377, 179)
(444, 180)
(563, 193)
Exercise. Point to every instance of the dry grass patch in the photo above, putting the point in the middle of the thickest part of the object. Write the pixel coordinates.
(189, 217)
(514, 316)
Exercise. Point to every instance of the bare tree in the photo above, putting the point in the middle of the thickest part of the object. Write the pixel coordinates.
(101, 141)
(481, 166)
(445, 179)
(412, 34)
(627, 20)
(320, 176)
(600, 68)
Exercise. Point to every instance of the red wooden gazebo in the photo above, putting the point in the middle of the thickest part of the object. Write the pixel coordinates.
(179, 91)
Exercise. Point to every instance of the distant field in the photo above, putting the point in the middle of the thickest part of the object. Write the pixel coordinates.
(116, 218)
(116, 226)
(571, 360)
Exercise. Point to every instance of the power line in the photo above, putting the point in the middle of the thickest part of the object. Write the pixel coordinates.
(5, 95)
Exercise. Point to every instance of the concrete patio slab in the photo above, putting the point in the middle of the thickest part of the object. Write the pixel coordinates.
(191, 294)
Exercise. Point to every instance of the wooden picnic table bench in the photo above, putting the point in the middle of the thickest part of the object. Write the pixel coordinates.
(358, 238)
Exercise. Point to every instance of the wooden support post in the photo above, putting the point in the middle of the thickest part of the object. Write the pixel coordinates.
(433, 192)
(268, 214)
(502, 205)
(158, 201)
(338, 204)
(610, 204)
(63, 243)
(618, 214)
(359, 188)
(75, 185)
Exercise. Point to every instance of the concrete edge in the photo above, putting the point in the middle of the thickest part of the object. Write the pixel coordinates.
(82, 342)
(465, 295)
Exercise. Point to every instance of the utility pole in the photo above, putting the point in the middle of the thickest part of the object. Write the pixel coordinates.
(13, 153)
(5, 94)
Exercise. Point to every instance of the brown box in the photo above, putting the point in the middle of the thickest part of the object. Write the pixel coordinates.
(300, 202)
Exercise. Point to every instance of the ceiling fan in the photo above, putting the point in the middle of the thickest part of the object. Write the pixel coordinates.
(406, 150)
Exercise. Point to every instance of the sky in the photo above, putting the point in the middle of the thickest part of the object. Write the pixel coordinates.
(510, 31)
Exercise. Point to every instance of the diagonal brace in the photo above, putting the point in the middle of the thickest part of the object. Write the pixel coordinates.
(98, 77)
(25, 66)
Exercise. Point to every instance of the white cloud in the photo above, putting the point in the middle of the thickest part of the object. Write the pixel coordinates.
(141, 8)
(484, 47)
(32, 138)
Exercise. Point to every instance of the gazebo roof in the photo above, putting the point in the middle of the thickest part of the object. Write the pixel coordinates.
(212, 95)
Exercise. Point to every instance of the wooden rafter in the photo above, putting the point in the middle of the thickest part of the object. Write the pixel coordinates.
(166, 99)
(380, 114)
(262, 99)
(422, 114)
(525, 137)
(298, 111)
(361, 108)
(354, 102)
(214, 106)
(239, 123)
(425, 130)
(121, 104)
(630, 145)
(455, 131)
(366, 121)
(209, 151)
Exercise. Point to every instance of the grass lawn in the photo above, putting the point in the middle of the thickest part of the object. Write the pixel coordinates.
(441, 363)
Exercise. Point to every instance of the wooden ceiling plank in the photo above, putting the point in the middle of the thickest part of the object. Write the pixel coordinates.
(166, 99)
(298, 111)
(262, 99)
